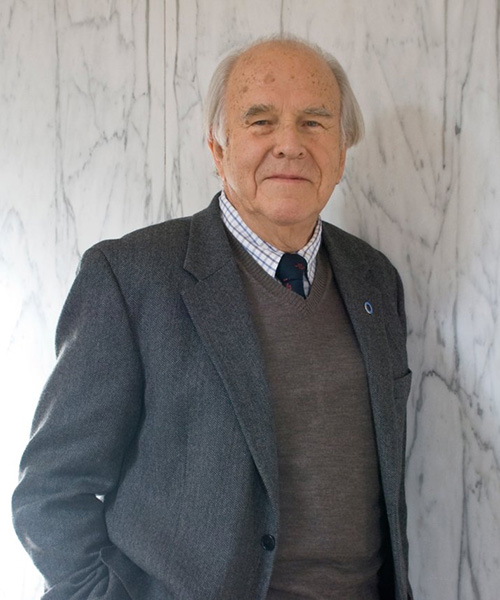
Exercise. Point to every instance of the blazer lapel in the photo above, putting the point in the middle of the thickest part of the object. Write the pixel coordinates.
(218, 307)
(354, 280)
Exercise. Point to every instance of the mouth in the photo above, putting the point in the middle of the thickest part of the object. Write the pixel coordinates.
(287, 177)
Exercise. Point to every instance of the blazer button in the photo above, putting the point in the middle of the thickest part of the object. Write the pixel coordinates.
(268, 542)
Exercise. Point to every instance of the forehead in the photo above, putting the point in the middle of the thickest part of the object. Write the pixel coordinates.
(277, 67)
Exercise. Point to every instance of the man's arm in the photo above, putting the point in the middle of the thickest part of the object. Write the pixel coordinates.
(87, 417)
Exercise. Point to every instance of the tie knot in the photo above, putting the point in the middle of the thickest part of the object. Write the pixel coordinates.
(291, 271)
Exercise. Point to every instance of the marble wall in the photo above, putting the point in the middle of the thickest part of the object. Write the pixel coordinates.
(100, 133)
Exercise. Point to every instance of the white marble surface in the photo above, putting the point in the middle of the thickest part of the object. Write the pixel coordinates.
(100, 129)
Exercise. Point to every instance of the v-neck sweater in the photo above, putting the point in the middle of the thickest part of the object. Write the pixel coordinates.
(331, 536)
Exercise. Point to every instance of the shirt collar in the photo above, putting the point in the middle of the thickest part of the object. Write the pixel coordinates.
(266, 255)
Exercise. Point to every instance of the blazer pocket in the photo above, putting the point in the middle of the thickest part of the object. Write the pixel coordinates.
(136, 583)
(116, 586)
(402, 387)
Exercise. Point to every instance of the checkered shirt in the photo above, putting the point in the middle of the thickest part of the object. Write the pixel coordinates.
(266, 255)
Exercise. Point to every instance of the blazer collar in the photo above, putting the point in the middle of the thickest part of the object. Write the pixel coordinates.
(219, 310)
(208, 248)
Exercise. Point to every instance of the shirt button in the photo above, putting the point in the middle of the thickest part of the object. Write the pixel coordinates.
(268, 542)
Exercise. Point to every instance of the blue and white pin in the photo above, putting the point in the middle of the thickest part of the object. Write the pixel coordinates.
(368, 307)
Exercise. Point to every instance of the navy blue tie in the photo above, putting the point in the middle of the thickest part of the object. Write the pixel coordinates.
(291, 271)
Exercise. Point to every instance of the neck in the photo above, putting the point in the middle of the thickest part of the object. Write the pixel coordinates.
(285, 238)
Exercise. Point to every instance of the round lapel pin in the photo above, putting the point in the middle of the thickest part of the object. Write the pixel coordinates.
(368, 308)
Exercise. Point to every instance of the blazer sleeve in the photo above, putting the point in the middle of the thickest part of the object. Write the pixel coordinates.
(86, 418)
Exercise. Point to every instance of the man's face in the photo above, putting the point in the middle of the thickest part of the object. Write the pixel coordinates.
(284, 153)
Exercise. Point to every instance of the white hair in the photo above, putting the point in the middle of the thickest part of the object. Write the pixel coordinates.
(351, 118)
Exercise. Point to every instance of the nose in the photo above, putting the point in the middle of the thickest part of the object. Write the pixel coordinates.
(288, 142)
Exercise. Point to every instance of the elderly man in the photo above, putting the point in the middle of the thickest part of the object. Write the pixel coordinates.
(226, 420)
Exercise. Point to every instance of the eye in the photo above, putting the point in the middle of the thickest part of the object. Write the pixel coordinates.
(312, 124)
(261, 122)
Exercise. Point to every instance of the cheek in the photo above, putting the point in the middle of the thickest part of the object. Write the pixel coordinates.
(240, 170)
(250, 162)
(329, 164)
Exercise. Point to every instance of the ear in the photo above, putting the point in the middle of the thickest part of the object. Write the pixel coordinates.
(217, 154)
(343, 153)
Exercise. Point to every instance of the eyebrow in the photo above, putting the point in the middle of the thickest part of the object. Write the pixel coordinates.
(318, 111)
(314, 111)
(258, 109)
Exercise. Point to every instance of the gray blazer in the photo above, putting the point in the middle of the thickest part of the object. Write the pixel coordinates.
(151, 473)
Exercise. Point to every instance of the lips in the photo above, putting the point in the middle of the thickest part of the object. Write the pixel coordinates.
(287, 177)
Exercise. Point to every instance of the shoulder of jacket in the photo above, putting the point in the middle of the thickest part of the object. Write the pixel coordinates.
(357, 247)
